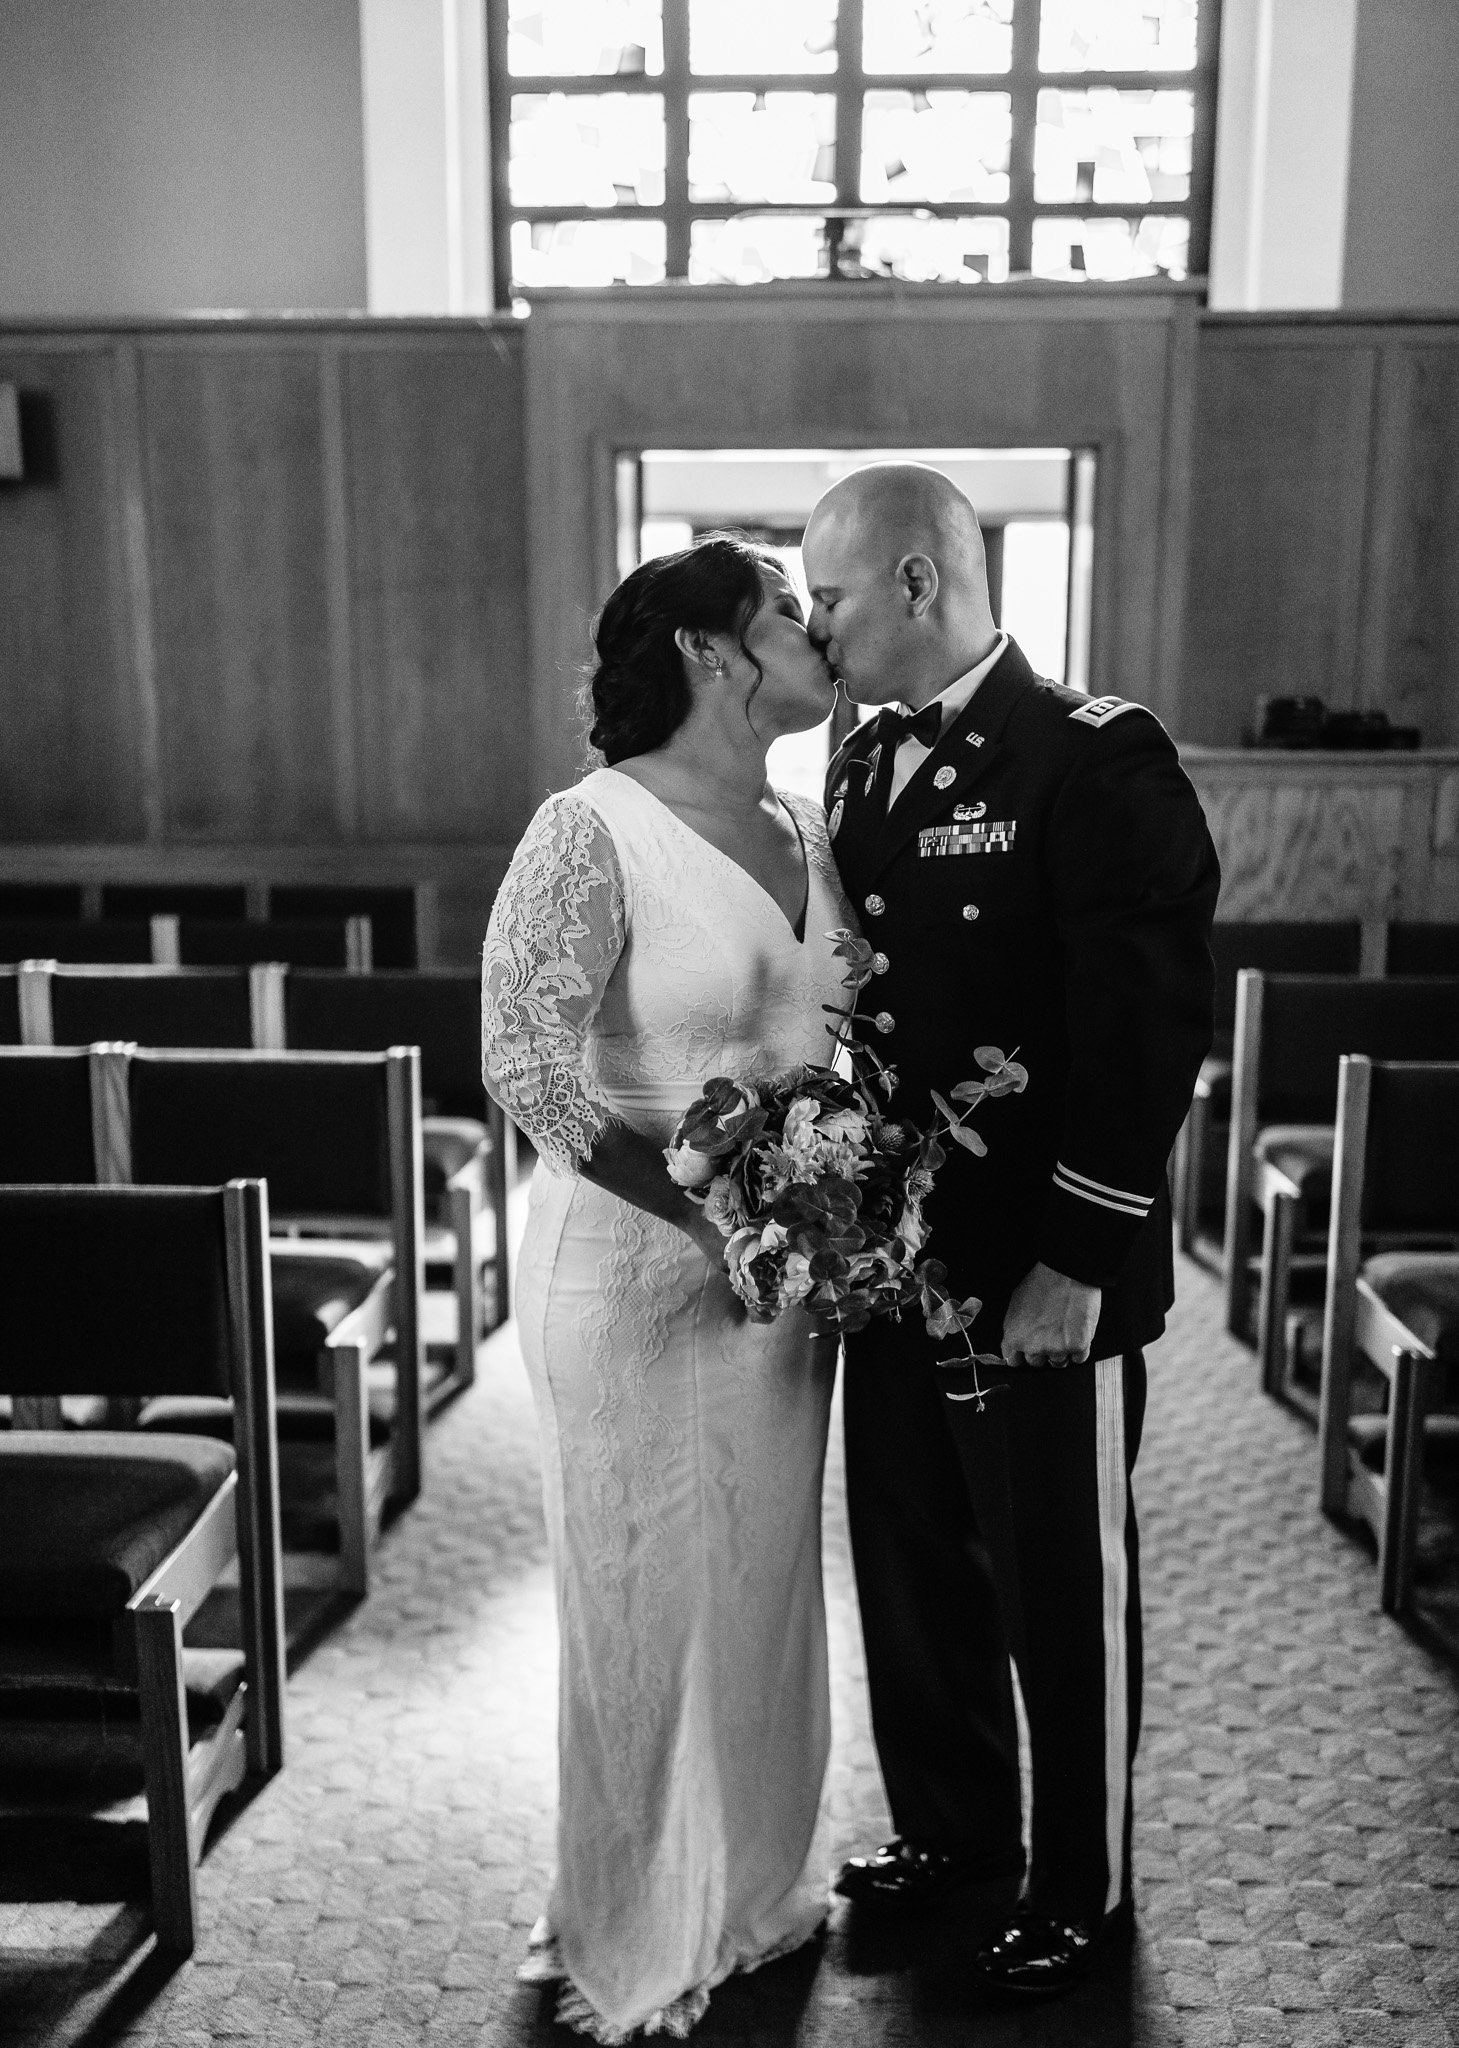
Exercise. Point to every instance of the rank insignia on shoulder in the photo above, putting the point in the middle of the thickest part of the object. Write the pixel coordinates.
(1100, 710)
(965, 814)
(833, 823)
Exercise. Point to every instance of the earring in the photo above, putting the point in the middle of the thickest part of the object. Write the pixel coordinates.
(713, 663)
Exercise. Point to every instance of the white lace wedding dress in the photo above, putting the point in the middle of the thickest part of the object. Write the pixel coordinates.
(628, 961)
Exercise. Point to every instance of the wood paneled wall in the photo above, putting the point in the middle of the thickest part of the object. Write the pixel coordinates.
(1324, 522)
(262, 602)
(297, 599)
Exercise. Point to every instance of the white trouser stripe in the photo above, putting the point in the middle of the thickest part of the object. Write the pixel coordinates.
(1109, 1440)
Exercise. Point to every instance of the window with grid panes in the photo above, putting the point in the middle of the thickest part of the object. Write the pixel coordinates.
(742, 141)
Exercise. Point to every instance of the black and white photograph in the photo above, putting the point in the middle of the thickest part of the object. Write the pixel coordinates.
(729, 1023)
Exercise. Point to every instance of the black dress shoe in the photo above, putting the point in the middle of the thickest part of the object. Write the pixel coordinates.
(1041, 1956)
(900, 1875)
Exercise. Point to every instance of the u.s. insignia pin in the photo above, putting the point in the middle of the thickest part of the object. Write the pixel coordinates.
(944, 778)
(833, 823)
(964, 814)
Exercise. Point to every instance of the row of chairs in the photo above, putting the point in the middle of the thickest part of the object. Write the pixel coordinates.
(1369, 950)
(392, 907)
(1392, 1300)
(270, 1007)
(1291, 1033)
(336, 1138)
(112, 1540)
(168, 940)
(1344, 1109)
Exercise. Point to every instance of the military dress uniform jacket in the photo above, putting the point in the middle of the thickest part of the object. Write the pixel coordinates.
(1045, 883)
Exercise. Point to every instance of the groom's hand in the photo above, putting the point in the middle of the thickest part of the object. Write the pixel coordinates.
(1050, 1321)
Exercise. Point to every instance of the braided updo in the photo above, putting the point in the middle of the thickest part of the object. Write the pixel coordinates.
(638, 690)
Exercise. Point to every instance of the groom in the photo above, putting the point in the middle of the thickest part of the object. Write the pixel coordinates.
(1035, 870)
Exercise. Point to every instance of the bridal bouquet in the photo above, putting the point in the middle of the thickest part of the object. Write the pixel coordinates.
(820, 1194)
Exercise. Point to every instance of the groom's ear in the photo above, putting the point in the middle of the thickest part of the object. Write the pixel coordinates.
(917, 580)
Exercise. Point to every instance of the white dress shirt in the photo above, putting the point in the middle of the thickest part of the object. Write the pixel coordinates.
(911, 753)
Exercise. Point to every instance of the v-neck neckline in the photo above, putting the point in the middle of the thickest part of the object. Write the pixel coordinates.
(730, 861)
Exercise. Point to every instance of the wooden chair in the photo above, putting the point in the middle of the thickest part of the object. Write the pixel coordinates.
(65, 1004)
(105, 941)
(10, 1032)
(468, 1143)
(1291, 1031)
(1274, 949)
(337, 1138)
(240, 942)
(1394, 1180)
(1423, 948)
(394, 911)
(52, 1128)
(112, 1541)
(40, 899)
(174, 899)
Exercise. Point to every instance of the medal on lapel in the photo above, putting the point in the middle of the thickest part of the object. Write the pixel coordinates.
(833, 823)
(944, 778)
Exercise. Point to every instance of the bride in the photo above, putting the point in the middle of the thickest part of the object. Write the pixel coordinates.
(664, 921)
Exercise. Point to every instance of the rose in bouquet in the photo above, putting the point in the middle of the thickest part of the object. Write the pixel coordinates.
(821, 1195)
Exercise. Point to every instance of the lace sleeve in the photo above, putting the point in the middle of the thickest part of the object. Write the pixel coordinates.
(556, 931)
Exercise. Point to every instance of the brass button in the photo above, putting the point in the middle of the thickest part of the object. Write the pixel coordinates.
(879, 963)
(885, 1021)
(970, 911)
(875, 905)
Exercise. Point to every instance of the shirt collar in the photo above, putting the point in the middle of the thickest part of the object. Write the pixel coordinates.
(956, 696)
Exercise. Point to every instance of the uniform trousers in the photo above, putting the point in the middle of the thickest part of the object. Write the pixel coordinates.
(980, 1536)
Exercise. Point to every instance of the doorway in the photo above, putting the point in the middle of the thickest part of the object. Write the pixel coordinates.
(1035, 505)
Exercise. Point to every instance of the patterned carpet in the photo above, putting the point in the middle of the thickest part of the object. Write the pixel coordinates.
(1298, 1795)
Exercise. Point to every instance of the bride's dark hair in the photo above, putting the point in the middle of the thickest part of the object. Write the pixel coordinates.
(637, 687)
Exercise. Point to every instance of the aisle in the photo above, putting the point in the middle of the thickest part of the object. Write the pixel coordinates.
(1297, 1800)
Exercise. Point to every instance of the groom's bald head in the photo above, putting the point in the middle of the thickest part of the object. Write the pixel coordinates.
(898, 580)
(891, 509)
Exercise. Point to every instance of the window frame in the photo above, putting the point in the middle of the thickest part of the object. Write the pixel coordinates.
(848, 84)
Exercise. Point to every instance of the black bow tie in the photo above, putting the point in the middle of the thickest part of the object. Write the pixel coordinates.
(923, 725)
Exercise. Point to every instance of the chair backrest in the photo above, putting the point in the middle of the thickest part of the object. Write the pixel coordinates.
(40, 899)
(439, 1012)
(47, 1118)
(1409, 1178)
(390, 909)
(302, 942)
(318, 1127)
(102, 940)
(121, 1291)
(1305, 1023)
(1279, 949)
(164, 899)
(1423, 949)
(161, 1006)
(10, 1032)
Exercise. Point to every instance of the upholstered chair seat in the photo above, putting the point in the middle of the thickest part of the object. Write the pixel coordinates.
(85, 1519)
(1422, 1290)
(1214, 1083)
(449, 1143)
(1302, 1154)
(317, 1283)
